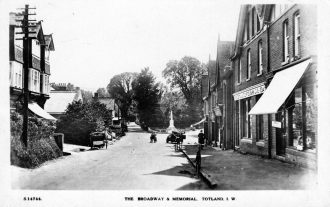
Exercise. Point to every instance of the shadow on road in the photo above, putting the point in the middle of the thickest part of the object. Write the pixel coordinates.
(185, 170)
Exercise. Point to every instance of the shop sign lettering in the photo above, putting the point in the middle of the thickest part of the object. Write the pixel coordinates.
(255, 90)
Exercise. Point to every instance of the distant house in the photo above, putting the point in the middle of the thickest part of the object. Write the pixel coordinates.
(60, 99)
(110, 104)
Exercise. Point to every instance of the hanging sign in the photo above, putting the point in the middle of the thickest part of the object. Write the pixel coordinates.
(276, 124)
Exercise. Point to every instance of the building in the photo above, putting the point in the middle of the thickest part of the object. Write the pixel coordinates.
(210, 100)
(224, 86)
(60, 98)
(39, 68)
(275, 99)
(218, 79)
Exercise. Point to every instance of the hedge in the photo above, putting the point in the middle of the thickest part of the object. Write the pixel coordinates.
(41, 144)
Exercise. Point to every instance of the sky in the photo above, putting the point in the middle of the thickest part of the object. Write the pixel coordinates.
(95, 40)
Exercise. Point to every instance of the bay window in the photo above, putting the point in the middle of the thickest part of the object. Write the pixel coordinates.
(34, 80)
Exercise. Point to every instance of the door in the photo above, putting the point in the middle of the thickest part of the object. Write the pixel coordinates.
(281, 133)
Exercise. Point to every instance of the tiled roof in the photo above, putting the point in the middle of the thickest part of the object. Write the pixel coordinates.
(59, 100)
(205, 85)
(109, 102)
(212, 71)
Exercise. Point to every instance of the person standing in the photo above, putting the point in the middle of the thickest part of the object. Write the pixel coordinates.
(201, 139)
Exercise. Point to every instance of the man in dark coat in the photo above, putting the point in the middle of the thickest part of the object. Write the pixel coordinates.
(201, 138)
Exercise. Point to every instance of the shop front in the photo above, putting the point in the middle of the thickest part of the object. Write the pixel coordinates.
(250, 129)
(291, 99)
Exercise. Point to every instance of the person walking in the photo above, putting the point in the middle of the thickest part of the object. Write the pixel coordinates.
(201, 139)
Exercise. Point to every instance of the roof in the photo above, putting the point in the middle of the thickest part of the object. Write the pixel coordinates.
(59, 100)
(205, 86)
(263, 11)
(212, 71)
(109, 102)
(223, 61)
(49, 42)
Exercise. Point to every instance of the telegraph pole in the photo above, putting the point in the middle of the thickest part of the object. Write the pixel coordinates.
(26, 63)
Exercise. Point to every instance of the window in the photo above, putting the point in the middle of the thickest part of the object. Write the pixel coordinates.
(303, 118)
(260, 66)
(248, 66)
(45, 84)
(239, 71)
(285, 41)
(252, 21)
(278, 10)
(16, 74)
(258, 22)
(259, 124)
(34, 80)
(248, 27)
(296, 38)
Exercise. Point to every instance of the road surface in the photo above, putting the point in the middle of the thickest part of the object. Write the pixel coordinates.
(131, 163)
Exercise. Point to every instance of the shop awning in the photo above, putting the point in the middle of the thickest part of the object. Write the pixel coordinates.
(279, 89)
(201, 121)
(35, 108)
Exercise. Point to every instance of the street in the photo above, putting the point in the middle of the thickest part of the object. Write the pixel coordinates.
(132, 163)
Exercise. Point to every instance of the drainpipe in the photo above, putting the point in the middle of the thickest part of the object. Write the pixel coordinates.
(267, 83)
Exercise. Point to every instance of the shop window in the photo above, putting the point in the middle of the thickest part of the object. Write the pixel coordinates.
(246, 118)
(259, 124)
(296, 35)
(303, 115)
(311, 116)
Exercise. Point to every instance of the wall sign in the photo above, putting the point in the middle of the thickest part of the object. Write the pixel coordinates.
(251, 91)
(276, 124)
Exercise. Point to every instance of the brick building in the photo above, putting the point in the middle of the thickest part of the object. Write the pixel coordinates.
(217, 81)
(39, 68)
(275, 100)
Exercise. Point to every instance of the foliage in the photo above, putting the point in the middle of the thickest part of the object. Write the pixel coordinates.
(41, 144)
(120, 88)
(185, 74)
(87, 96)
(147, 96)
(81, 119)
(102, 92)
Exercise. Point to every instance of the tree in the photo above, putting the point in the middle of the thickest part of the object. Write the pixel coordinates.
(147, 96)
(87, 96)
(186, 75)
(102, 92)
(70, 87)
(81, 119)
(120, 89)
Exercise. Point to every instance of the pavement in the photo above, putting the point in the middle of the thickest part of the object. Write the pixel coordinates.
(131, 163)
(230, 170)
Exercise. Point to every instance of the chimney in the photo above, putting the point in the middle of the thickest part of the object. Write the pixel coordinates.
(96, 95)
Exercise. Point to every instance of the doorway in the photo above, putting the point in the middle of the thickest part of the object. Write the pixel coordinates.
(281, 133)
